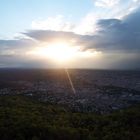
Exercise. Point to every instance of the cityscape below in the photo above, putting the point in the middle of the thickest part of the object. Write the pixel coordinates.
(100, 91)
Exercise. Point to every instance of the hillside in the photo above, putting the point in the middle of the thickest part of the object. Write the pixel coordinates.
(23, 118)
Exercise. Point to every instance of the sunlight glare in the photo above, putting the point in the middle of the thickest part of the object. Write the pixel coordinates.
(58, 52)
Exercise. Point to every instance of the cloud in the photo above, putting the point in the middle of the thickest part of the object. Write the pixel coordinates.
(58, 23)
(106, 3)
(136, 0)
(117, 39)
(13, 52)
(113, 35)
(48, 35)
(121, 34)
(106, 9)
(16, 46)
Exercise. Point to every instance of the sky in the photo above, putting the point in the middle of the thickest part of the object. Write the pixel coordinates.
(100, 34)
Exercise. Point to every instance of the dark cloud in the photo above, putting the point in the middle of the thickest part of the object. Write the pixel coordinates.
(47, 35)
(120, 35)
(132, 21)
(17, 45)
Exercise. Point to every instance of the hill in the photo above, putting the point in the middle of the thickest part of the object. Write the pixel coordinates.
(23, 118)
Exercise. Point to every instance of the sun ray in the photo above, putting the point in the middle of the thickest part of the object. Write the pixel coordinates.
(70, 81)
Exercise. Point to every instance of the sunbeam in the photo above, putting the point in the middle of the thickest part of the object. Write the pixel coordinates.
(70, 81)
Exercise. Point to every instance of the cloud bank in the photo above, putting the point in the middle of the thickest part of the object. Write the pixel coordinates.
(117, 39)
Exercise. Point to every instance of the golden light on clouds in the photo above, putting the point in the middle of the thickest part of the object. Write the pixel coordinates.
(62, 52)
(56, 51)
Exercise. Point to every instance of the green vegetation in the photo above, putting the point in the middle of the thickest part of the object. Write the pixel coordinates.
(22, 118)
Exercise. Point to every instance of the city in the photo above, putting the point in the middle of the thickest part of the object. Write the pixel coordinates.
(100, 91)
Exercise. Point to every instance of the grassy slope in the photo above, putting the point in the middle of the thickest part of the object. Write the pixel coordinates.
(22, 118)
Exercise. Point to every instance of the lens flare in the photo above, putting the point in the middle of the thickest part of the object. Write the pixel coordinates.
(70, 81)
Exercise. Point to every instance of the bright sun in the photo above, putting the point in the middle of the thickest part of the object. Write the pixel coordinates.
(57, 51)
(62, 52)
